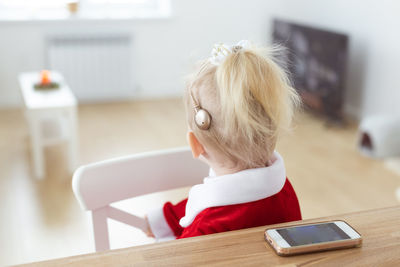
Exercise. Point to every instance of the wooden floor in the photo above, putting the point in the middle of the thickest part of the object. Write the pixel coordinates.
(41, 220)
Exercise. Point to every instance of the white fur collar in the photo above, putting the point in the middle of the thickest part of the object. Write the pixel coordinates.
(241, 187)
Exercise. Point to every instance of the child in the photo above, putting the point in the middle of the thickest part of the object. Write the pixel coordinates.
(237, 104)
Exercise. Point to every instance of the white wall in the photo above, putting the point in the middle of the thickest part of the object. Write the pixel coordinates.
(165, 49)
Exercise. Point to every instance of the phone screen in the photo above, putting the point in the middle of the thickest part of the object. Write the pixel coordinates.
(311, 234)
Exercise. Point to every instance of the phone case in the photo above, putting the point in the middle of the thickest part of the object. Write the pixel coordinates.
(331, 245)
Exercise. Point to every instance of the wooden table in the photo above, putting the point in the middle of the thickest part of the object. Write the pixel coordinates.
(380, 229)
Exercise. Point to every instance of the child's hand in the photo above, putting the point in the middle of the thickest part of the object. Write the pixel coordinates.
(148, 232)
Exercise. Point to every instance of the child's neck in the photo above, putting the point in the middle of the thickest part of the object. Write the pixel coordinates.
(223, 170)
(220, 169)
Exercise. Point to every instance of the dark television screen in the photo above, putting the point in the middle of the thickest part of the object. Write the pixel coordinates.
(317, 61)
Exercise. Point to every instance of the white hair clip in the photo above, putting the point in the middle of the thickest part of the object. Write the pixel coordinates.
(220, 51)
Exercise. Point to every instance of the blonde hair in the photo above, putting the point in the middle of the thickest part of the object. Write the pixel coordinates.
(250, 100)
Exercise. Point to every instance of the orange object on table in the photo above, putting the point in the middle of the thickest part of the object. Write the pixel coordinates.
(45, 77)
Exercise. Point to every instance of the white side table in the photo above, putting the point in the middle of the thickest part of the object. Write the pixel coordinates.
(51, 116)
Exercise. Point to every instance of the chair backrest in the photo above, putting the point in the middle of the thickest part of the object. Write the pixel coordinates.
(97, 185)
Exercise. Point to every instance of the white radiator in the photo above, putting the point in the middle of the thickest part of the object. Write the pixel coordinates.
(97, 68)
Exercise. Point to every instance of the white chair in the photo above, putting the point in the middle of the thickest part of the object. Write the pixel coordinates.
(97, 185)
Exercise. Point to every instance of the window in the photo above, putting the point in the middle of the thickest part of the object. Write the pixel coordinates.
(87, 9)
(24, 4)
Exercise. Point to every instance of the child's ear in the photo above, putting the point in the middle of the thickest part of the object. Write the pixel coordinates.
(197, 148)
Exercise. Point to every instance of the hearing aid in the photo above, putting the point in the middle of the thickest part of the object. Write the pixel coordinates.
(202, 118)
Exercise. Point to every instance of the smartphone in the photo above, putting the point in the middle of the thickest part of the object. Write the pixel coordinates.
(312, 237)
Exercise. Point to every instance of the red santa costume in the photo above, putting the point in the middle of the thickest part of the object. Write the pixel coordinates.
(249, 198)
